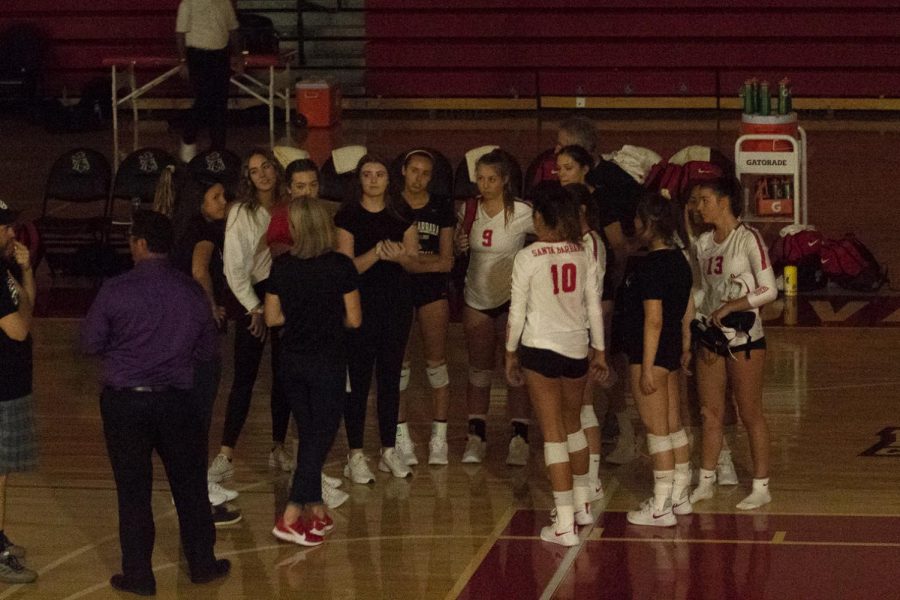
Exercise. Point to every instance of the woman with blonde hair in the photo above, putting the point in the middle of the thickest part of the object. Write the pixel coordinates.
(313, 295)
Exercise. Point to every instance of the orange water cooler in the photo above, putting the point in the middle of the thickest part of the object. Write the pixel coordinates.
(319, 101)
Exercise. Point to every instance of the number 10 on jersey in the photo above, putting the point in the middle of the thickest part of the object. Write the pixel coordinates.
(568, 277)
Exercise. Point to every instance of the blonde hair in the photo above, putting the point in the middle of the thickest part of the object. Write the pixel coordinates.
(311, 228)
(164, 195)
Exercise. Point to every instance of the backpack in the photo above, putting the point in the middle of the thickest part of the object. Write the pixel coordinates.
(851, 265)
(455, 293)
(675, 180)
(802, 249)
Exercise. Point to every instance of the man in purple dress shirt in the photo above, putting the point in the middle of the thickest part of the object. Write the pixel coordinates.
(150, 326)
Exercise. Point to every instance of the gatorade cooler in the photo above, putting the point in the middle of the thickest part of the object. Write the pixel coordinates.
(319, 101)
(761, 125)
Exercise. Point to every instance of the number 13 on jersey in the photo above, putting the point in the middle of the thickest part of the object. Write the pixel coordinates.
(714, 265)
(569, 277)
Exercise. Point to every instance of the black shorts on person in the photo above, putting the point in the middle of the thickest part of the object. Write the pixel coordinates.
(668, 356)
(494, 313)
(552, 364)
(426, 290)
(759, 344)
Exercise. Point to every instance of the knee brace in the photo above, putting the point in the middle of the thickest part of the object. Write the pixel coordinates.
(576, 442)
(658, 443)
(555, 453)
(438, 376)
(588, 417)
(404, 378)
(679, 439)
(480, 378)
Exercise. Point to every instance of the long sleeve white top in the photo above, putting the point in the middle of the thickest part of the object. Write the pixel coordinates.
(246, 257)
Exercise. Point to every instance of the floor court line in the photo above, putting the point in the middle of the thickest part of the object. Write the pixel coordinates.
(569, 559)
(480, 555)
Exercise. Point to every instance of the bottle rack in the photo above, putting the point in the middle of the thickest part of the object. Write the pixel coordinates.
(789, 167)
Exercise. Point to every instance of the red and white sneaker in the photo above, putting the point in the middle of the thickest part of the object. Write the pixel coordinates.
(563, 538)
(297, 533)
(321, 525)
(648, 515)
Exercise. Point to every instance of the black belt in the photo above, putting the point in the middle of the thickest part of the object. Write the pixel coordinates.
(156, 389)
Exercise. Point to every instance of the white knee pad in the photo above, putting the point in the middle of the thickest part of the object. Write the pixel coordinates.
(588, 417)
(404, 378)
(576, 442)
(555, 453)
(480, 378)
(438, 376)
(658, 443)
(679, 439)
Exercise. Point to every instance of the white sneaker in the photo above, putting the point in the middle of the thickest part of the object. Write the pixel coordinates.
(392, 462)
(563, 538)
(624, 452)
(725, 473)
(518, 452)
(218, 494)
(648, 515)
(220, 469)
(704, 491)
(583, 516)
(596, 491)
(278, 458)
(757, 498)
(357, 469)
(187, 152)
(437, 451)
(683, 505)
(334, 482)
(406, 449)
(333, 497)
(475, 450)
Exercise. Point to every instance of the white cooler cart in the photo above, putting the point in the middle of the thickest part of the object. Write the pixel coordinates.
(791, 163)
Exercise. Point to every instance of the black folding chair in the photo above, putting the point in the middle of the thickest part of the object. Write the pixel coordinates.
(464, 187)
(441, 184)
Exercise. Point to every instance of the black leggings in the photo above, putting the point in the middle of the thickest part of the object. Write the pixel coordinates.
(315, 389)
(380, 344)
(209, 74)
(248, 351)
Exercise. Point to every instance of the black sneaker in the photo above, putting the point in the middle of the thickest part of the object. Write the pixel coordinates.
(118, 582)
(6, 544)
(12, 571)
(219, 569)
(222, 516)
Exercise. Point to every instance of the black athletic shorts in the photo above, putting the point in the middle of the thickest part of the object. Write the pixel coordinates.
(668, 356)
(497, 311)
(425, 291)
(759, 344)
(552, 364)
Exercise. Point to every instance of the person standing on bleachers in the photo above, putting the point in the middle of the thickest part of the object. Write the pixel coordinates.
(206, 32)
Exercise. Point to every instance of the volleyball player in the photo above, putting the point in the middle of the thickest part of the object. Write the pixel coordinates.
(498, 232)
(574, 164)
(656, 320)
(247, 261)
(554, 318)
(377, 232)
(435, 221)
(302, 177)
(736, 276)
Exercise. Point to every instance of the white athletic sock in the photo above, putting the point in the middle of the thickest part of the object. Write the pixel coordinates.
(581, 490)
(758, 497)
(439, 429)
(402, 430)
(682, 480)
(565, 510)
(594, 469)
(705, 486)
(662, 488)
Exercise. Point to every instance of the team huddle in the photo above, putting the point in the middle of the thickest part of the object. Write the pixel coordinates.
(589, 285)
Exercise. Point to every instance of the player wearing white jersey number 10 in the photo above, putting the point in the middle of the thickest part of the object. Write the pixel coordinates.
(554, 320)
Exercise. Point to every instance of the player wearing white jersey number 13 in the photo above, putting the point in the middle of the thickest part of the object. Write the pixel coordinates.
(736, 276)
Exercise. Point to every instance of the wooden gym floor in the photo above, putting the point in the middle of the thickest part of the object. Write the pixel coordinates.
(831, 395)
